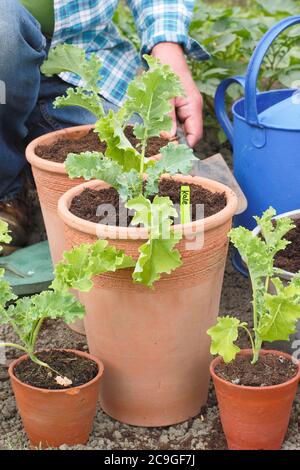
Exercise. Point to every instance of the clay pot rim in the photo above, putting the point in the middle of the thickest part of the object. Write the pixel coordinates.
(46, 139)
(138, 233)
(295, 215)
(247, 352)
(66, 390)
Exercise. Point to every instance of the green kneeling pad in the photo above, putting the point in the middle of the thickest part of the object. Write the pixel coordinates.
(28, 270)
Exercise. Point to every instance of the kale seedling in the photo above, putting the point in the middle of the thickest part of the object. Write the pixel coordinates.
(26, 315)
(123, 166)
(274, 316)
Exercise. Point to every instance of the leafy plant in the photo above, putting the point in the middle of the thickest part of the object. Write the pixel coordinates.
(158, 255)
(123, 166)
(85, 261)
(26, 315)
(69, 58)
(274, 316)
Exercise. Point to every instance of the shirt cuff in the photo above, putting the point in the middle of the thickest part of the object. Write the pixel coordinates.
(158, 32)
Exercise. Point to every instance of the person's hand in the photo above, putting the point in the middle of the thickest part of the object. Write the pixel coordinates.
(188, 109)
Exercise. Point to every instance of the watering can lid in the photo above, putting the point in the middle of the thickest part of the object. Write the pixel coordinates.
(283, 115)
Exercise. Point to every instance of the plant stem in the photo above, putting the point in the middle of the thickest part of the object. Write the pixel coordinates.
(13, 345)
(257, 349)
(42, 364)
(251, 339)
(35, 333)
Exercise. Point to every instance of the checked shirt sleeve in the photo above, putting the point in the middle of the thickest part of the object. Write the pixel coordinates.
(166, 21)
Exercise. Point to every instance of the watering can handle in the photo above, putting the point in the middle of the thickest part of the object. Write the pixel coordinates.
(255, 63)
(220, 104)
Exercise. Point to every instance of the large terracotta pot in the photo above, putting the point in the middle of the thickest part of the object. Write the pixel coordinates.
(55, 417)
(255, 418)
(153, 342)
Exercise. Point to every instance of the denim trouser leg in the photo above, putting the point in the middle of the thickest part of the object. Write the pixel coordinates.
(22, 50)
(28, 111)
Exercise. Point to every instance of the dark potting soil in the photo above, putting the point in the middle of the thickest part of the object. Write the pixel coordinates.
(289, 259)
(76, 368)
(269, 370)
(86, 204)
(58, 151)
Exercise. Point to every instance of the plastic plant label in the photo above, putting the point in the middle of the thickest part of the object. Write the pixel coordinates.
(185, 201)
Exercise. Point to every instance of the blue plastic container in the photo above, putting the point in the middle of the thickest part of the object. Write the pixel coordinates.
(265, 136)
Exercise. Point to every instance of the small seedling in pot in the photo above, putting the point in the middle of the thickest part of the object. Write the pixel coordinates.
(123, 166)
(26, 315)
(274, 316)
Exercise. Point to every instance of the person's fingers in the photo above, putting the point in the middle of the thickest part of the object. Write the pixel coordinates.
(174, 119)
(190, 115)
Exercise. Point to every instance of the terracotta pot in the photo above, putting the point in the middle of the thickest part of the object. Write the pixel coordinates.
(55, 417)
(287, 346)
(255, 418)
(153, 342)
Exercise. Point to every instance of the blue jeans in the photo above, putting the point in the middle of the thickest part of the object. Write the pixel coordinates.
(26, 96)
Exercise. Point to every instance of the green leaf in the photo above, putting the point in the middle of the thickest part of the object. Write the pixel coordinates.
(157, 255)
(4, 235)
(79, 97)
(6, 295)
(94, 165)
(111, 130)
(69, 58)
(273, 233)
(223, 336)
(174, 159)
(129, 184)
(283, 311)
(149, 96)
(56, 304)
(85, 261)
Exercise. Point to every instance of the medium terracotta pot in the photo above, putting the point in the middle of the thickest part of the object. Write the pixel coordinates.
(153, 342)
(55, 417)
(255, 418)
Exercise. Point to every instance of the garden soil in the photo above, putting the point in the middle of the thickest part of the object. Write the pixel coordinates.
(59, 151)
(85, 205)
(289, 259)
(269, 370)
(79, 370)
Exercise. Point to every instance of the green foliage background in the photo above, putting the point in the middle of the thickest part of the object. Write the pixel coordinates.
(230, 30)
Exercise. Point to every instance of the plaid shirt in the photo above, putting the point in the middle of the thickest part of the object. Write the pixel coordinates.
(88, 24)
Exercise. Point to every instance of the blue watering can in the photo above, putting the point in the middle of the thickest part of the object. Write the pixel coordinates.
(265, 136)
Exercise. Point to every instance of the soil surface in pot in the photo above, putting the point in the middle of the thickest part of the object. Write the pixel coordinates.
(289, 259)
(58, 151)
(76, 368)
(86, 204)
(269, 370)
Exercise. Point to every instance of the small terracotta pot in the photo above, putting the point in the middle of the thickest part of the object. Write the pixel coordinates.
(153, 342)
(55, 417)
(255, 418)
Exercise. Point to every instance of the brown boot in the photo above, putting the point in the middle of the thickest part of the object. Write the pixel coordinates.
(15, 213)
